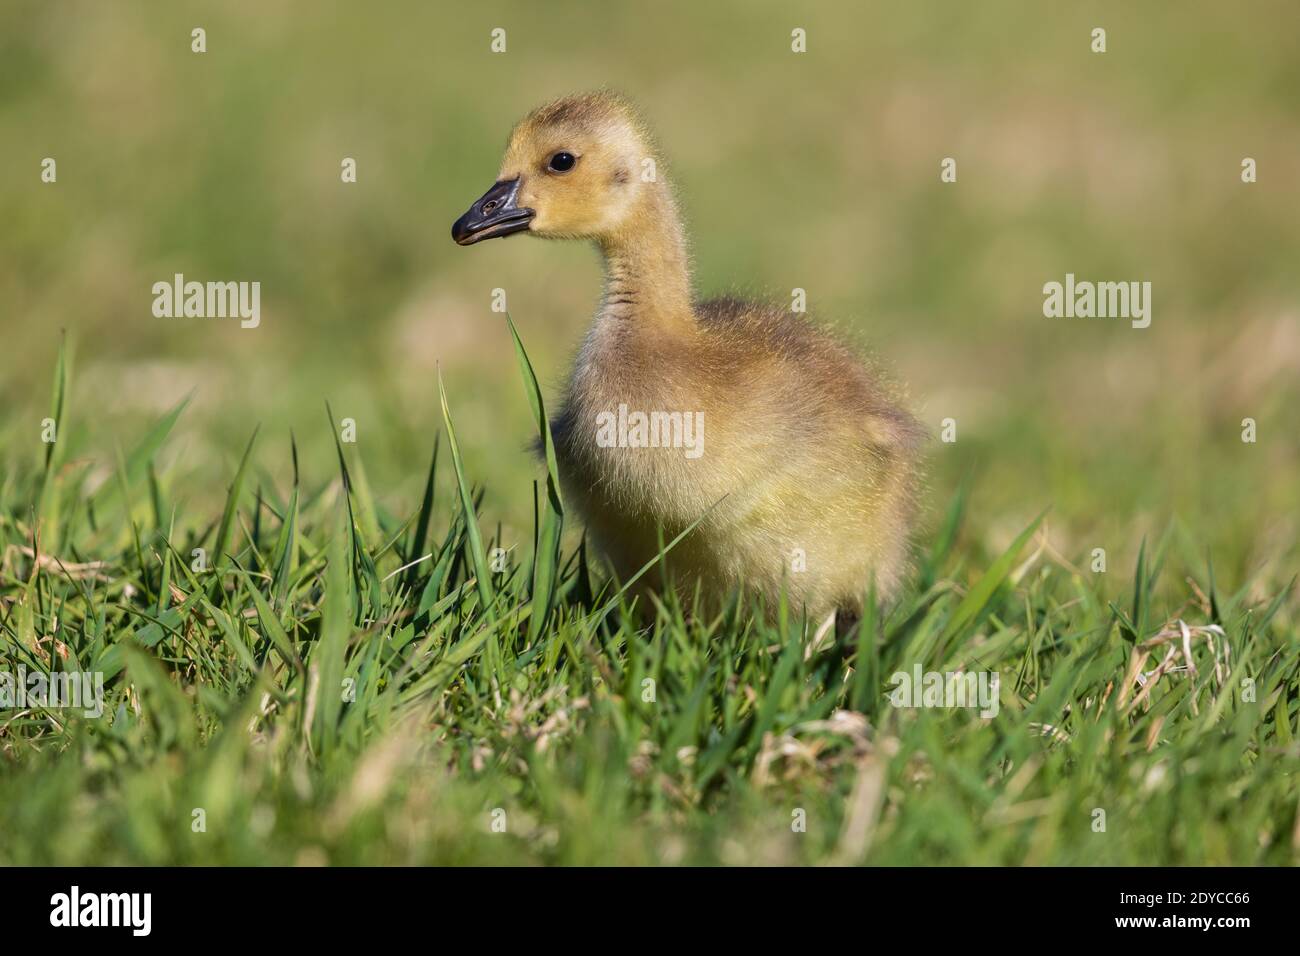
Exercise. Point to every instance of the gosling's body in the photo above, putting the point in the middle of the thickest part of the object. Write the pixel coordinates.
(807, 471)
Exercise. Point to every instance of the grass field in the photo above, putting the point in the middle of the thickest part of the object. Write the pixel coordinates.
(346, 673)
(347, 685)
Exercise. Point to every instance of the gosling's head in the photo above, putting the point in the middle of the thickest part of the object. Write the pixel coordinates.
(573, 169)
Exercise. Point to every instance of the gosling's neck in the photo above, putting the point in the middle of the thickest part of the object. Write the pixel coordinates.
(647, 272)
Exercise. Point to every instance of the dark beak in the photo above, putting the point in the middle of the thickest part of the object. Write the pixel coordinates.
(493, 214)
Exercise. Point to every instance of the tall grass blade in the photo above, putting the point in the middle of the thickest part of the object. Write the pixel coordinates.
(546, 559)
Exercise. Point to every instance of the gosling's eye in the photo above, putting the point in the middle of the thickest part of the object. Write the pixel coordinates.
(562, 162)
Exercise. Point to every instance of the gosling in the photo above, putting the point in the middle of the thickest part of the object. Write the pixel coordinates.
(798, 462)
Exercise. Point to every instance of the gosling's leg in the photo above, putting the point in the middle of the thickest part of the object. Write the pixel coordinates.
(846, 619)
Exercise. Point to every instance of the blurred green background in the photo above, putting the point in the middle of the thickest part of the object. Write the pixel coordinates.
(816, 170)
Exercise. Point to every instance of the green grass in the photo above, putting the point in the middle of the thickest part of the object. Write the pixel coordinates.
(347, 684)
